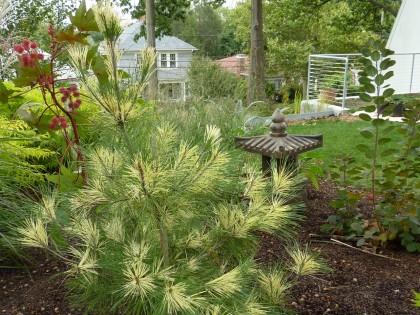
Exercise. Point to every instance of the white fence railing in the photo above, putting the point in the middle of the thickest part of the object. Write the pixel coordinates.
(333, 78)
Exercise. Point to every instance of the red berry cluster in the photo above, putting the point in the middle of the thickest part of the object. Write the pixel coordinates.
(71, 96)
(58, 122)
(51, 30)
(28, 53)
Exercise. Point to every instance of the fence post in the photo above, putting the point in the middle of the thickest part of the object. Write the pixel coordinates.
(308, 83)
(346, 71)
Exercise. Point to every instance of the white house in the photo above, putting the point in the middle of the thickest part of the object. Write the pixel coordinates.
(405, 41)
(173, 60)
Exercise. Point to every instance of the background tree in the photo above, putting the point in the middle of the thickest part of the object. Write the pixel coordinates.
(166, 11)
(207, 28)
(296, 28)
(208, 80)
(151, 42)
(202, 28)
(257, 61)
(25, 16)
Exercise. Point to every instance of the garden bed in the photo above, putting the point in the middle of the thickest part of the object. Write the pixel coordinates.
(361, 283)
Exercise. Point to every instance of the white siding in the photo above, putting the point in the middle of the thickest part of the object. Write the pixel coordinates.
(405, 41)
(405, 34)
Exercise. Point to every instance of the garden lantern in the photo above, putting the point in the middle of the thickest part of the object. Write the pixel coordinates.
(279, 145)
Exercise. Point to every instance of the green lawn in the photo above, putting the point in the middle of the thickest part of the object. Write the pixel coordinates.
(340, 137)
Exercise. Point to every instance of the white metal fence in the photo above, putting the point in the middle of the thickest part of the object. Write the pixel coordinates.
(333, 78)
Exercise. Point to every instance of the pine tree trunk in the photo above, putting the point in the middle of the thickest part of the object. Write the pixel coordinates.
(151, 42)
(256, 72)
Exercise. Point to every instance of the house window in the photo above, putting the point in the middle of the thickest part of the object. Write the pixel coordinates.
(168, 60)
(163, 62)
(172, 61)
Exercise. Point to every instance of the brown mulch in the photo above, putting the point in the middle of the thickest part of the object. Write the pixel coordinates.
(361, 283)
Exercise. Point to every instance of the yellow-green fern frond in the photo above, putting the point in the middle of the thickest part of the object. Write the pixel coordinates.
(304, 262)
(34, 234)
(139, 281)
(274, 285)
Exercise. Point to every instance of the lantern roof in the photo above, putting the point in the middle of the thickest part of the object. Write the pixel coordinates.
(278, 143)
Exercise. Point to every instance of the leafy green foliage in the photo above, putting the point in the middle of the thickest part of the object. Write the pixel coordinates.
(84, 20)
(21, 154)
(166, 11)
(26, 16)
(294, 29)
(208, 80)
(5, 93)
(209, 31)
(394, 191)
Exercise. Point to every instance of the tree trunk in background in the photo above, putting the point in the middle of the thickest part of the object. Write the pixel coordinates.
(151, 42)
(256, 72)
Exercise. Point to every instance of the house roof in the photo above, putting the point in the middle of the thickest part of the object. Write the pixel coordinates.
(127, 42)
(238, 64)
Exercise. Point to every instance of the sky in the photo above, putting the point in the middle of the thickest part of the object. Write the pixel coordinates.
(231, 3)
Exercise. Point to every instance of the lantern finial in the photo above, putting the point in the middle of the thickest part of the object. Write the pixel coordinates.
(278, 126)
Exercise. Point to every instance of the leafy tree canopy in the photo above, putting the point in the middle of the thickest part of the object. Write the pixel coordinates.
(296, 28)
(166, 11)
(207, 29)
(25, 16)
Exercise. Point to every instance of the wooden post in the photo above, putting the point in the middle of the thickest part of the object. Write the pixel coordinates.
(266, 166)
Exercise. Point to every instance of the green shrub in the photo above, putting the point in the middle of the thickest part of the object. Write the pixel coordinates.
(393, 189)
(208, 80)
